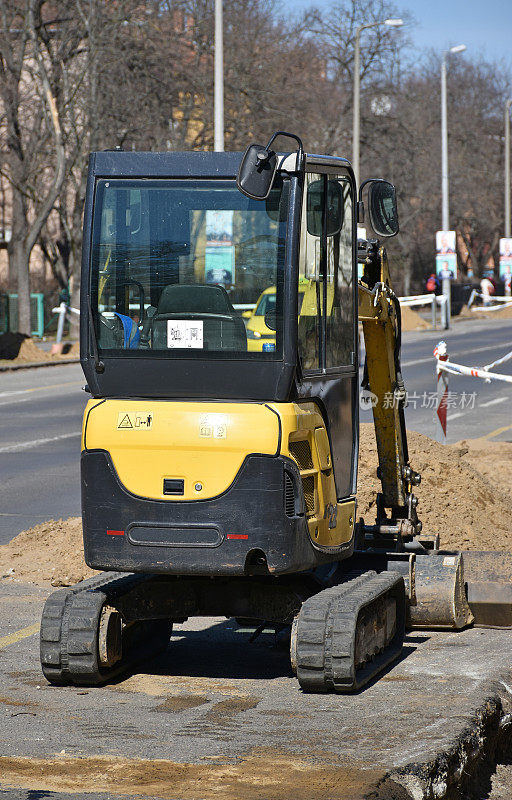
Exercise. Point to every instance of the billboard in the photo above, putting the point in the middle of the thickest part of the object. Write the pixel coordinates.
(219, 254)
(506, 262)
(446, 255)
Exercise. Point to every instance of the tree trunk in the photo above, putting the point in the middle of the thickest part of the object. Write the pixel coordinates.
(20, 259)
(407, 276)
(74, 291)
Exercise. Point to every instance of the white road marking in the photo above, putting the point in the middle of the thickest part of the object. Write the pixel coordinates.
(14, 448)
(14, 396)
(39, 388)
(493, 402)
(454, 416)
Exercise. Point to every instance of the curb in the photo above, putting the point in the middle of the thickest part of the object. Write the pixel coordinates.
(465, 768)
(37, 364)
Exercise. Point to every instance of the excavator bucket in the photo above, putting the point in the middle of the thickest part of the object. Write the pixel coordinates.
(488, 577)
(440, 592)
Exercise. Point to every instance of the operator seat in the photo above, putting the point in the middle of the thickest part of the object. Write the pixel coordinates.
(223, 328)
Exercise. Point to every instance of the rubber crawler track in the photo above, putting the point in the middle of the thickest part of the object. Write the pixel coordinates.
(324, 635)
(69, 631)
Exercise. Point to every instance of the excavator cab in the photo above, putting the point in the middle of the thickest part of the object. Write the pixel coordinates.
(210, 456)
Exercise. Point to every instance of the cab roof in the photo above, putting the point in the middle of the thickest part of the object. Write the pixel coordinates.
(192, 164)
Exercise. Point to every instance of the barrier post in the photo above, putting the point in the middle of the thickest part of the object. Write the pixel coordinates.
(60, 327)
(434, 315)
(441, 354)
(447, 290)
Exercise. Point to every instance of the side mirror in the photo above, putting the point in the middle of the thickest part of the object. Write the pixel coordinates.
(271, 320)
(247, 314)
(256, 172)
(258, 167)
(382, 208)
(335, 207)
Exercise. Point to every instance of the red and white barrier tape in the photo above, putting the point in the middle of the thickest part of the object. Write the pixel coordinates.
(443, 365)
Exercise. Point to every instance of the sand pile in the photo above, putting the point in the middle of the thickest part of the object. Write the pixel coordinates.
(411, 320)
(465, 496)
(505, 313)
(477, 312)
(48, 553)
(16, 348)
(465, 493)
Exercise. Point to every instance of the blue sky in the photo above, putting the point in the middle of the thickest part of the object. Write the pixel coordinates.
(484, 26)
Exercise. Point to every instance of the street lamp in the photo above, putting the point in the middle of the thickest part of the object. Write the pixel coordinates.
(447, 288)
(393, 23)
(218, 103)
(444, 137)
(507, 168)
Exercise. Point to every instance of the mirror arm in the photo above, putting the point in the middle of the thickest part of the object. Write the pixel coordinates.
(360, 212)
(300, 150)
(367, 181)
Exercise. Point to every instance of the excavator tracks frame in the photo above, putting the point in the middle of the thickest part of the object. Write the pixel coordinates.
(83, 638)
(346, 635)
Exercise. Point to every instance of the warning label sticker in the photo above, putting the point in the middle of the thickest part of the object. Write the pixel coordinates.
(134, 420)
(213, 426)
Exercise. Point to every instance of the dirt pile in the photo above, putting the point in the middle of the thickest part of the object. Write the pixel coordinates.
(411, 320)
(465, 493)
(505, 313)
(48, 553)
(16, 348)
(477, 312)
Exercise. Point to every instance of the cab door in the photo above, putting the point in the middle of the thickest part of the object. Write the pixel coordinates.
(327, 322)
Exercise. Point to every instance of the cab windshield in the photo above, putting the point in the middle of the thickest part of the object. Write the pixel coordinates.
(175, 262)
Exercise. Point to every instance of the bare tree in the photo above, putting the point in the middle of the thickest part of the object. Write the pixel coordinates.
(34, 158)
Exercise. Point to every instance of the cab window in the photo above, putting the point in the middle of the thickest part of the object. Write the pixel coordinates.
(174, 262)
(326, 282)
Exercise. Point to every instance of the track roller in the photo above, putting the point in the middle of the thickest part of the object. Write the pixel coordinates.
(346, 635)
(84, 639)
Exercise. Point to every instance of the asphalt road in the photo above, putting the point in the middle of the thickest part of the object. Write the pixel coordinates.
(220, 716)
(40, 421)
(41, 411)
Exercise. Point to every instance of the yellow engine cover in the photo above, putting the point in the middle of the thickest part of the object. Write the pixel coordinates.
(200, 443)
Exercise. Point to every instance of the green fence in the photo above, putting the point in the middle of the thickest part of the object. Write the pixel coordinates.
(36, 313)
(4, 313)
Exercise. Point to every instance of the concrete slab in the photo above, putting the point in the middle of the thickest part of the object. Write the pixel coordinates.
(217, 714)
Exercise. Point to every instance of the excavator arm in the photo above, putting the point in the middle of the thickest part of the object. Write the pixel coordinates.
(379, 313)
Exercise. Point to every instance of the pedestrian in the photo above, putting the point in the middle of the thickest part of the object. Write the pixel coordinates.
(431, 283)
(487, 288)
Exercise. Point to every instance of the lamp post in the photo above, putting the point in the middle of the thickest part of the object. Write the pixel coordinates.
(218, 104)
(444, 138)
(507, 168)
(394, 23)
(444, 174)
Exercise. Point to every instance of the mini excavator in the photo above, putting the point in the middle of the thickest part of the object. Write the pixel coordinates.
(219, 478)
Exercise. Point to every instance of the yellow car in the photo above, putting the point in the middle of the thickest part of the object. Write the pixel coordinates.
(257, 332)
